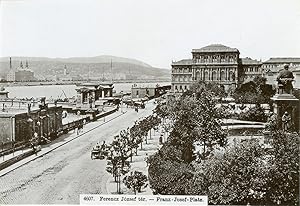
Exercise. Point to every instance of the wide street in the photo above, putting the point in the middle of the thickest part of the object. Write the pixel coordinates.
(60, 176)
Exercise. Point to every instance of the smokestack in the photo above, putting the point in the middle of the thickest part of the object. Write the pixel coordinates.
(10, 63)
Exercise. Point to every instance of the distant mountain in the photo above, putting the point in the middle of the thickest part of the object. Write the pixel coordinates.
(96, 59)
(98, 67)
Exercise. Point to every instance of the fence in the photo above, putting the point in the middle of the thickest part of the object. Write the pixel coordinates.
(12, 147)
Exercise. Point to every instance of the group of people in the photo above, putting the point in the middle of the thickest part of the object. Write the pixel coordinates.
(101, 146)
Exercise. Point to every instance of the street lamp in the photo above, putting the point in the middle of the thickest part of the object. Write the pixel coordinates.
(40, 130)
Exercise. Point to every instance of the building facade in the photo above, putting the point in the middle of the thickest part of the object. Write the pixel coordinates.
(214, 63)
(149, 91)
(250, 69)
(90, 95)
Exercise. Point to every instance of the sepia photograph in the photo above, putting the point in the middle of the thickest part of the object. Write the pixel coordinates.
(149, 102)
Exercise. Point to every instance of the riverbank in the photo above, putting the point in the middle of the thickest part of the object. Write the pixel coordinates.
(45, 83)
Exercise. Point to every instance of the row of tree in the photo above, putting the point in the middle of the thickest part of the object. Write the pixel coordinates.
(122, 148)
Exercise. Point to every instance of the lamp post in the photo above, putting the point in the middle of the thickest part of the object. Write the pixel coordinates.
(29, 121)
(39, 123)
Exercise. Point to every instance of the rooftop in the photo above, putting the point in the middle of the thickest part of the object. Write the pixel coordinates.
(183, 62)
(248, 60)
(215, 48)
(94, 86)
(283, 60)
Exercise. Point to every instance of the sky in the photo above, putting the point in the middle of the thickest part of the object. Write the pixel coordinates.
(154, 31)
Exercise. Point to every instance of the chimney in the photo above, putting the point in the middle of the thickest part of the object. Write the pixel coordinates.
(10, 66)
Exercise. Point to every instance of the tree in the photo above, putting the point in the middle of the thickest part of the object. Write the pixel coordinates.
(238, 176)
(255, 91)
(283, 184)
(198, 120)
(135, 181)
(168, 173)
(119, 152)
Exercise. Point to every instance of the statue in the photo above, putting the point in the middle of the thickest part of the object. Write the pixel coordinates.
(284, 80)
(286, 121)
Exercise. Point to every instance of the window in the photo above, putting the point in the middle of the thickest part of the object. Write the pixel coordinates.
(206, 76)
(137, 92)
(197, 76)
(213, 75)
(222, 59)
(185, 87)
(222, 75)
(176, 87)
(180, 87)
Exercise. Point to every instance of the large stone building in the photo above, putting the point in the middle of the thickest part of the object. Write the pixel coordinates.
(215, 63)
(223, 65)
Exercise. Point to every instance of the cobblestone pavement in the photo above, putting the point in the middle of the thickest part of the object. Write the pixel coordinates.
(59, 176)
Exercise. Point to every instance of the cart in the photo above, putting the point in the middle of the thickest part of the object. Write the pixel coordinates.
(97, 153)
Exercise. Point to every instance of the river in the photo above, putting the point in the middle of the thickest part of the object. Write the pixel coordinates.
(61, 91)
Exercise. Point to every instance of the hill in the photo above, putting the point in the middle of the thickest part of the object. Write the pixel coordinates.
(98, 67)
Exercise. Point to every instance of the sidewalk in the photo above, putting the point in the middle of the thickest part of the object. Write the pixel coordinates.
(60, 141)
(138, 164)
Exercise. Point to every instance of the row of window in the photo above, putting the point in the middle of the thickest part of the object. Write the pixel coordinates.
(180, 78)
(181, 87)
(216, 77)
(213, 76)
(251, 69)
(216, 58)
(280, 65)
(182, 70)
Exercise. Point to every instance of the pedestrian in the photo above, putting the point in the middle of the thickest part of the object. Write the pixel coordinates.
(147, 159)
(160, 139)
(77, 130)
(33, 148)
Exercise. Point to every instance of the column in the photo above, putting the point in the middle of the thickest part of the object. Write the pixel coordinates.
(236, 75)
(81, 98)
(228, 74)
(102, 92)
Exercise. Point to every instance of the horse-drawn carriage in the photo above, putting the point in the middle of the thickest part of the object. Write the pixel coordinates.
(98, 153)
